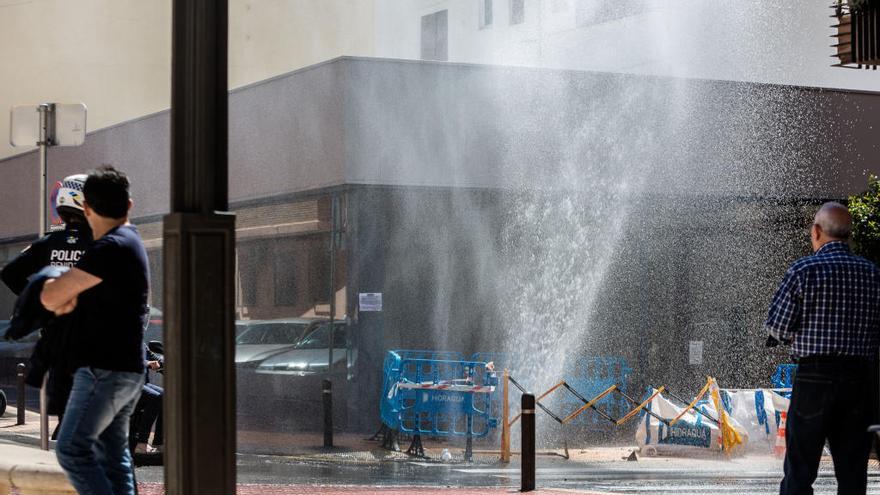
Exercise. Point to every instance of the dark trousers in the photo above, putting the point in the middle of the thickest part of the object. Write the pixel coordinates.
(833, 399)
(149, 411)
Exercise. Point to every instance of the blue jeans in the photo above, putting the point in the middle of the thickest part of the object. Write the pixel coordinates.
(92, 445)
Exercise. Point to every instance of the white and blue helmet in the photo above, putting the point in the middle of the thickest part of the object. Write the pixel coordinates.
(70, 195)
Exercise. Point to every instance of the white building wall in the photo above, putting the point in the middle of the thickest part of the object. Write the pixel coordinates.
(783, 42)
(115, 55)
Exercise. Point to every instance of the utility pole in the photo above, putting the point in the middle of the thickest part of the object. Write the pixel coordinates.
(199, 259)
(46, 125)
(47, 138)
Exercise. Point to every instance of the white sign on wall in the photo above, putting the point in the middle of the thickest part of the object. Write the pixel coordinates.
(67, 124)
(370, 301)
(695, 352)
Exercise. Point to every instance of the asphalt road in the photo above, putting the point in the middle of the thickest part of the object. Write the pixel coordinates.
(679, 476)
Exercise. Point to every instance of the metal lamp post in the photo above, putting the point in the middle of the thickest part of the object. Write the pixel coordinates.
(199, 259)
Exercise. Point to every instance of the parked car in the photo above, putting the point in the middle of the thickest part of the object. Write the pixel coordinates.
(254, 339)
(311, 355)
(153, 332)
(258, 339)
(283, 391)
(19, 349)
(14, 352)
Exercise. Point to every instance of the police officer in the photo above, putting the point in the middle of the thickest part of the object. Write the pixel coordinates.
(60, 248)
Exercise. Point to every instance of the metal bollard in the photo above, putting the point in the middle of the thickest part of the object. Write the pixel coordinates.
(327, 394)
(44, 414)
(20, 391)
(505, 417)
(527, 421)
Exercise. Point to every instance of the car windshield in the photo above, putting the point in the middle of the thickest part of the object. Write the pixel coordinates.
(319, 339)
(272, 334)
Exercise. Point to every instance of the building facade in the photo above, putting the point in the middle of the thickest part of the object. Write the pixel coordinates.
(541, 214)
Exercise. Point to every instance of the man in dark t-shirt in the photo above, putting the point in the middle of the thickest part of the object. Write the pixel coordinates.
(108, 289)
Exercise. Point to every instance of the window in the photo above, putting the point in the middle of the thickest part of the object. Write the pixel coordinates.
(557, 6)
(435, 36)
(251, 257)
(589, 13)
(154, 258)
(486, 17)
(319, 269)
(320, 338)
(272, 334)
(517, 11)
(286, 257)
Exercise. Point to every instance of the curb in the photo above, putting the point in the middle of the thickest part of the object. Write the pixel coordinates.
(31, 471)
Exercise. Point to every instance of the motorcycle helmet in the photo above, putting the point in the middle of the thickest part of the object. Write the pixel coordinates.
(69, 202)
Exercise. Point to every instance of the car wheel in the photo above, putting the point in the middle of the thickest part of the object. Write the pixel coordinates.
(2, 403)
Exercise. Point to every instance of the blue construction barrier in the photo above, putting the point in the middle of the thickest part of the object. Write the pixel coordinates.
(438, 394)
(501, 361)
(783, 377)
(591, 376)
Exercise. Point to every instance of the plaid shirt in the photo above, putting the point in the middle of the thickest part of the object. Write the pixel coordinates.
(828, 305)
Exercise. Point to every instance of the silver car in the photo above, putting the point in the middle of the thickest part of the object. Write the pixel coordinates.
(311, 355)
(258, 339)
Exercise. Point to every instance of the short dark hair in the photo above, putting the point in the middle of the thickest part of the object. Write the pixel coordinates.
(106, 192)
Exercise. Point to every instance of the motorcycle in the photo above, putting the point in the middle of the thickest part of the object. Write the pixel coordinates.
(146, 458)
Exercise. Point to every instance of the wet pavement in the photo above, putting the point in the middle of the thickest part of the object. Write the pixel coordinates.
(750, 475)
(360, 467)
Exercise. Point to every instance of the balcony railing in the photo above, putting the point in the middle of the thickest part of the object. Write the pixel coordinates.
(858, 43)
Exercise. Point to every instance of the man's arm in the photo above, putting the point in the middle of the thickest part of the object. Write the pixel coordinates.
(59, 295)
(783, 320)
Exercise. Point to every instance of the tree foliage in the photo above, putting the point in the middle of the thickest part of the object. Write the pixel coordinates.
(865, 209)
(856, 5)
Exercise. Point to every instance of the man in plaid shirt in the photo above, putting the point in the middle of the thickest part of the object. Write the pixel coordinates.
(828, 309)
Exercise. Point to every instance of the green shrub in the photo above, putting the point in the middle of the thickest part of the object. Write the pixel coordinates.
(865, 209)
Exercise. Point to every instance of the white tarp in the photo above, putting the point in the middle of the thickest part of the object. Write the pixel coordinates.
(692, 433)
(752, 413)
(756, 411)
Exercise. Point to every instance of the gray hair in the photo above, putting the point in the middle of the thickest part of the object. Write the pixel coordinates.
(835, 220)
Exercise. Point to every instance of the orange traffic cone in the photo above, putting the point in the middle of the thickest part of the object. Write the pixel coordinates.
(779, 448)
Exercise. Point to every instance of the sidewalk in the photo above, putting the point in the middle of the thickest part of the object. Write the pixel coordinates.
(307, 446)
(26, 434)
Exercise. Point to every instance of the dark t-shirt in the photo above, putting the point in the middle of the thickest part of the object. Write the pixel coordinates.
(114, 312)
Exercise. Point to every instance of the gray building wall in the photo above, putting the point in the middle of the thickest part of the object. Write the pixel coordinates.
(389, 122)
